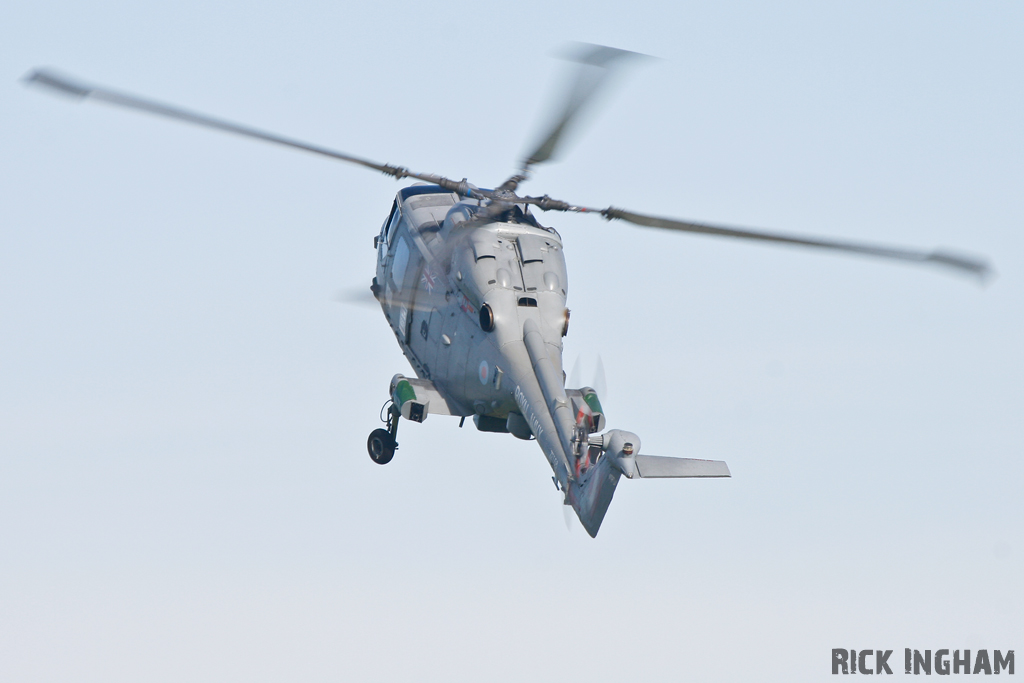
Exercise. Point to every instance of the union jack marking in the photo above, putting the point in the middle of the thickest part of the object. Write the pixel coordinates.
(429, 280)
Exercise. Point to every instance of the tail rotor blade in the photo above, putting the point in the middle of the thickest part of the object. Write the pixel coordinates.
(574, 376)
(568, 514)
(600, 382)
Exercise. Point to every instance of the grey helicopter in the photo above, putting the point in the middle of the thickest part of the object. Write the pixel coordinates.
(474, 288)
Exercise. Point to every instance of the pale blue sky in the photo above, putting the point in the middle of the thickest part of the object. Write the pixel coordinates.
(184, 488)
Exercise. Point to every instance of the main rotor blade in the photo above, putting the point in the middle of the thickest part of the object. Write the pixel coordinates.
(596, 63)
(967, 264)
(70, 87)
(964, 263)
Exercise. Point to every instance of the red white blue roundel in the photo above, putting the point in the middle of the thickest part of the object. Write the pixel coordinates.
(484, 372)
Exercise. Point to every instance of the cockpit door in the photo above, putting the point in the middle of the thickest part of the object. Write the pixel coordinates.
(425, 333)
(385, 231)
(395, 290)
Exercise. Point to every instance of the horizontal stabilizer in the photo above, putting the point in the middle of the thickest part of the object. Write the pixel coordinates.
(657, 466)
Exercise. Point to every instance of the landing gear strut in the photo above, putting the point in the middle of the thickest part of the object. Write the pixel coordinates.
(382, 442)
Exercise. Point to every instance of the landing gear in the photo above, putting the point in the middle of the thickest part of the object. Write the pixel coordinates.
(382, 442)
(381, 446)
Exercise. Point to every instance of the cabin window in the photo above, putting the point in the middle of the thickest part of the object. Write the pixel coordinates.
(396, 217)
(528, 301)
(399, 264)
(387, 221)
(430, 201)
(382, 240)
(414, 190)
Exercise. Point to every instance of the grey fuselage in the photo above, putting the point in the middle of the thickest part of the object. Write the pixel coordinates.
(440, 261)
(475, 294)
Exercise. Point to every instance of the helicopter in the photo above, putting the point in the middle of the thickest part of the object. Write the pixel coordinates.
(474, 288)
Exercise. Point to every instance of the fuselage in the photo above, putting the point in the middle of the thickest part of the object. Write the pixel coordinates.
(461, 286)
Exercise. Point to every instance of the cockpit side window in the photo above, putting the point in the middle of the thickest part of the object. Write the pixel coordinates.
(399, 265)
(382, 239)
(387, 221)
(393, 220)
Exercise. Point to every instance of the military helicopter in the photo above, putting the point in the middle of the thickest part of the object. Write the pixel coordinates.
(474, 288)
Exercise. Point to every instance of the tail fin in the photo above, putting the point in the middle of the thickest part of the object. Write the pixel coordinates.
(591, 494)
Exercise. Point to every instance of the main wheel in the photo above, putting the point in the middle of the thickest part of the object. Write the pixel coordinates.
(381, 446)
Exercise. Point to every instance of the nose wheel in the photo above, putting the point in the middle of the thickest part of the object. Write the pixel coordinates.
(381, 446)
(382, 443)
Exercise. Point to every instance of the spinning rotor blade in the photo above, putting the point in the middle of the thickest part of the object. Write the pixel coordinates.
(360, 296)
(568, 516)
(963, 263)
(598, 60)
(597, 380)
(596, 63)
(574, 376)
(600, 382)
(72, 88)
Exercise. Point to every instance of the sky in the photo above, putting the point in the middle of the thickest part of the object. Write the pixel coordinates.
(185, 492)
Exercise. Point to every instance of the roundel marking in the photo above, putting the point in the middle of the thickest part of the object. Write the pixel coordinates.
(484, 373)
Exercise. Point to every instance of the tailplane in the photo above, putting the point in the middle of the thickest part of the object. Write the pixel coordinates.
(606, 457)
(661, 467)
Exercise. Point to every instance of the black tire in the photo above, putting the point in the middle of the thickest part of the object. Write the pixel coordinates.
(381, 446)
